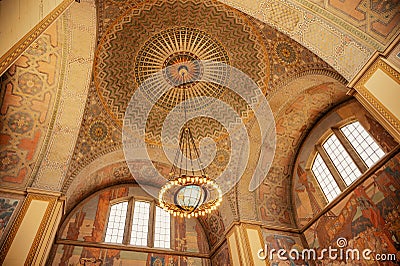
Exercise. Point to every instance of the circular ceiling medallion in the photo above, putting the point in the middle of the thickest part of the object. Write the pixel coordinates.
(98, 131)
(145, 40)
(179, 52)
(183, 70)
(285, 52)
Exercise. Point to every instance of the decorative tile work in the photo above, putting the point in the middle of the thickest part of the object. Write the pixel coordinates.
(79, 37)
(116, 52)
(294, 116)
(286, 61)
(293, 17)
(26, 42)
(28, 99)
(98, 131)
(279, 13)
(334, 47)
(347, 62)
(285, 52)
(322, 37)
(379, 19)
(289, 60)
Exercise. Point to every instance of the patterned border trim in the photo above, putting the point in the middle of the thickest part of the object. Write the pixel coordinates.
(341, 23)
(246, 20)
(64, 46)
(304, 72)
(244, 227)
(52, 201)
(9, 57)
(234, 231)
(13, 231)
(371, 99)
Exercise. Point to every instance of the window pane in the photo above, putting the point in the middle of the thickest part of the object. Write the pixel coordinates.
(116, 223)
(341, 159)
(140, 223)
(325, 179)
(162, 233)
(363, 143)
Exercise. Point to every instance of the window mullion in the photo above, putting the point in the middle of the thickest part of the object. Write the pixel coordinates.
(331, 167)
(313, 205)
(128, 224)
(349, 148)
(152, 218)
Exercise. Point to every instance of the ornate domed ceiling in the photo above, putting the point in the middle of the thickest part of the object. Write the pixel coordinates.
(146, 39)
(137, 41)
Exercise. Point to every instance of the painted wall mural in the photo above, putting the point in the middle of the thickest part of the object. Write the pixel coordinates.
(221, 256)
(27, 98)
(7, 208)
(279, 240)
(88, 221)
(214, 227)
(307, 195)
(103, 256)
(296, 116)
(368, 218)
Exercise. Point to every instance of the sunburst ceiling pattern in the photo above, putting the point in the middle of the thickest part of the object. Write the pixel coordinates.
(146, 39)
(179, 52)
(268, 57)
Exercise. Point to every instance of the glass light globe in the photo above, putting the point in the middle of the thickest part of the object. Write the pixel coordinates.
(190, 197)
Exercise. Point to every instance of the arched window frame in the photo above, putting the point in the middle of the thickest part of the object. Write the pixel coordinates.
(353, 154)
(129, 220)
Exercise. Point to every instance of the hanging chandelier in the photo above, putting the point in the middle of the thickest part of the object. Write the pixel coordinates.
(189, 192)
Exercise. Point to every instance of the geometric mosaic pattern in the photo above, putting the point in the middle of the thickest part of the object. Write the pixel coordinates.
(355, 29)
(27, 98)
(272, 59)
(178, 51)
(295, 116)
(269, 57)
(119, 49)
(379, 19)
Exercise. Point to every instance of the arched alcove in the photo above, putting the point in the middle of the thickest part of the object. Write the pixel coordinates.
(82, 233)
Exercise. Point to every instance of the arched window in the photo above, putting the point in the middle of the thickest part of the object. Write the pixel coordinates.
(116, 223)
(162, 232)
(347, 153)
(325, 178)
(139, 223)
(363, 143)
